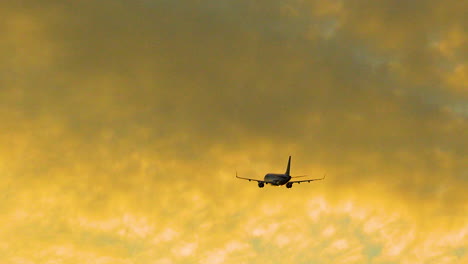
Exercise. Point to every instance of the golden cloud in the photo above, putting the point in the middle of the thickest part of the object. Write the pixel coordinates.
(123, 124)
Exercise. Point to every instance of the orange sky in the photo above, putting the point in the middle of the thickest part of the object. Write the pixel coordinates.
(123, 123)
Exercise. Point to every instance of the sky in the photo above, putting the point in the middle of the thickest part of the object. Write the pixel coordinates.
(124, 122)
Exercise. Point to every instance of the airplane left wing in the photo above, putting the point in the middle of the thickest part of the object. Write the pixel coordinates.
(309, 180)
(248, 178)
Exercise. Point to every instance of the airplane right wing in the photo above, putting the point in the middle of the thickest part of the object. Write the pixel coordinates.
(248, 178)
(299, 176)
(309, 180)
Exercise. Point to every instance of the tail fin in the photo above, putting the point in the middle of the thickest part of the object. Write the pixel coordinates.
(289, 165)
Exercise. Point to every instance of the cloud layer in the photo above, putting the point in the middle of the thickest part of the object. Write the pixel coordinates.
(123, 123)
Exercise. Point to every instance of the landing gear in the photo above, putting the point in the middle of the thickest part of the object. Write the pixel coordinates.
(289, 185)
(260, 184)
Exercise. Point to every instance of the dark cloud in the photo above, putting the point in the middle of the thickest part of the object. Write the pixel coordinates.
(202, 69)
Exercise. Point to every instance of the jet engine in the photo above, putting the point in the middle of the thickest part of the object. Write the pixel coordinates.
(261, 184)
(289, 185)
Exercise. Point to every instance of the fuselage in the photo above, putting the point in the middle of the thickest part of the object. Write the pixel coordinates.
(276, 179)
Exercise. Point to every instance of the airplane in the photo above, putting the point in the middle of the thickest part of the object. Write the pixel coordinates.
(276, 179)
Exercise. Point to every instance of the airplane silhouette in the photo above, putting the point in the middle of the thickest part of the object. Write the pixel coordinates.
(278, 179)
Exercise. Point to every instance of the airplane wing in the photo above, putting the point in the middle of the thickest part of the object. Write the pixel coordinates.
(299, 176)
(309, 180)
(248, 178)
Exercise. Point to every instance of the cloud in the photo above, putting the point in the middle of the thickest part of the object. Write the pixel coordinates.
(124, 122)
